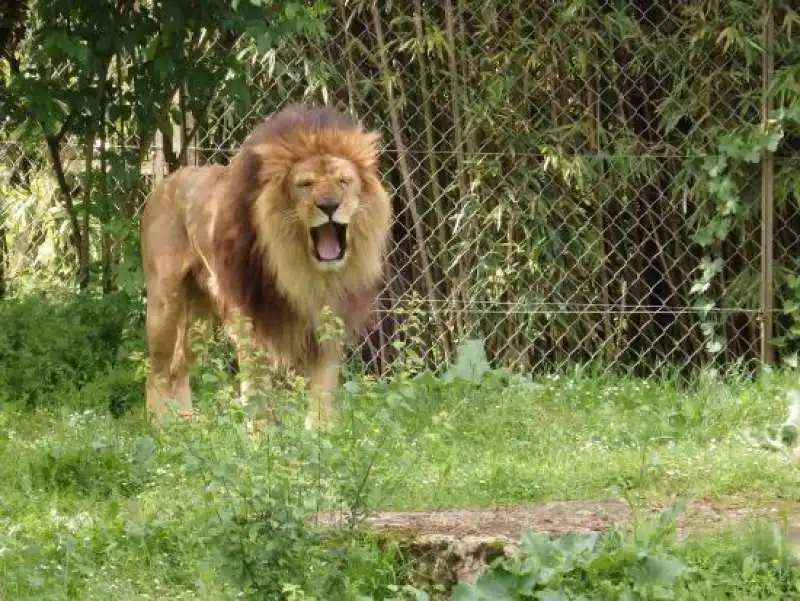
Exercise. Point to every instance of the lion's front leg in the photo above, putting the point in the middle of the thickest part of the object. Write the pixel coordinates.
(254, 373)
(324, 377)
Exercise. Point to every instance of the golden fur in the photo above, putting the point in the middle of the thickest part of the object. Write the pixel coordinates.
(298, 221)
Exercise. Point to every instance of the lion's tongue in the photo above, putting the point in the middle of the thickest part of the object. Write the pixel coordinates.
(328, 243)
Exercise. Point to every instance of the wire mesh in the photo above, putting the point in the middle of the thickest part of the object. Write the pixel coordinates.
(561, 181)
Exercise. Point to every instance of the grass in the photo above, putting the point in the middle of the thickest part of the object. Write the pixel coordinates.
(582, 437)
(93, 507)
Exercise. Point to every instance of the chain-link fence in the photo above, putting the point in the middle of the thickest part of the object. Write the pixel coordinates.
(605, 182)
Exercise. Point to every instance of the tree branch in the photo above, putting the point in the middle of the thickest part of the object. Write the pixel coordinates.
(146, 137)
(195, 128)
(168, 149)
(54, 147)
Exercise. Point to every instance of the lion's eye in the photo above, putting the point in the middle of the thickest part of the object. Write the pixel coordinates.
(305, 183)
(345, 181)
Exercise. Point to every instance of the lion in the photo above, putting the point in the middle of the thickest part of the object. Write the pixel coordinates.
(295, 225)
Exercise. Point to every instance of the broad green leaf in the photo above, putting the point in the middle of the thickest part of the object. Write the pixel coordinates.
(464, 591)
(660, 571)
(145, 447)
(471, 362)
(536, 545)
(496, 585)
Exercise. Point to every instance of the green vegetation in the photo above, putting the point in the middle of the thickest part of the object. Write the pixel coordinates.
(444, 445)
(468, 435)
(746, 563)
(573, 437)
(96, 506)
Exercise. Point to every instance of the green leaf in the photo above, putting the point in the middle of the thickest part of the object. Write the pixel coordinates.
(464, 591)
(669, 515)
(238, 92)
(699, 286)
(471, 363)
(265, 42)
(660, 571)
(774, 139)
(613, 560)
(145, 447)
(496, 585)
(577, 544)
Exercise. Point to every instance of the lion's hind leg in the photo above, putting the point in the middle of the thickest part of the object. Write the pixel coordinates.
(167, 326)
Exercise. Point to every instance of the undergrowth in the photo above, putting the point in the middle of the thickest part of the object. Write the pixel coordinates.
(750, 562)
(51, 347)
(97, 504)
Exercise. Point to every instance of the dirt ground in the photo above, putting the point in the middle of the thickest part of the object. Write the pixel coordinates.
(560, 517)
(449, 545)
(457, 544)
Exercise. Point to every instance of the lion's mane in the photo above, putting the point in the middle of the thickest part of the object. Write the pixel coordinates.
(263, 270)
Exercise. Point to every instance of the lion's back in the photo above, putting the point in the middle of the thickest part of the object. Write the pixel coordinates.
(177, 205)
(186, 185)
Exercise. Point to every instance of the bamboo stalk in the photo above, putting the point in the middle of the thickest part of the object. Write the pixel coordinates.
(106, 276)
(593, 102)
(461, 176)
(437, 194)
(106, 252)
(427, 114)
(405, 171)
(3, 257)
(348, 51)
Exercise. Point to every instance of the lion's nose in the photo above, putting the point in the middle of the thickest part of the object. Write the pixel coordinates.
(328, 205)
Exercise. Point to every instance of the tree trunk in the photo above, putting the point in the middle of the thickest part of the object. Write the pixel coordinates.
(106, 252)
(76, 233)
(84, 246)
(3, 260)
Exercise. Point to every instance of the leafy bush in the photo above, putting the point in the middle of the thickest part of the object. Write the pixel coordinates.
(589, 566)
(97, 507)
(49, 346)
(642, 565)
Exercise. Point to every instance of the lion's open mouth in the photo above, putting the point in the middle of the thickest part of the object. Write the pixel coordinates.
(329, 241)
